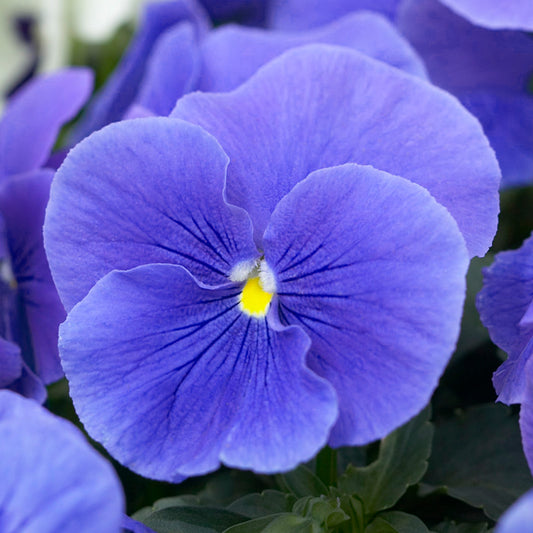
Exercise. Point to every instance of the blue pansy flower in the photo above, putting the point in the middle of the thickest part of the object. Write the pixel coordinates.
(52, 480)
(180, 58)
(31, 309)
(505, 306)
(490, 71)
(254, 283)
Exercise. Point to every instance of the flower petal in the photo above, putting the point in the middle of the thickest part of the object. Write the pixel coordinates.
(496, 14)
(31, 122)
(319, 106)
(502, 303)
(172, 377)
(231, 54)
(61, 484)
(373, 270)
(143, 191)
(172, 70)
(305, 14)
(10, 363)
(519, 517)
(23, 202)
(487, 70)
(122, 86)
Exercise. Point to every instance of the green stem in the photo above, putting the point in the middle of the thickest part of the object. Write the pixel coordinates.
(326, 466)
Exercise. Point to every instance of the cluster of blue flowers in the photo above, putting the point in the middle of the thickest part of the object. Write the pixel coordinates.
(257, 243)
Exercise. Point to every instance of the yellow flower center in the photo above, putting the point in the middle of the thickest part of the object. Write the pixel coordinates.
(254, 300)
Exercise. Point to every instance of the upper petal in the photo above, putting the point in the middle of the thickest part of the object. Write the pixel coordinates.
(57, 484)
(173, 378)
(32, 119)
(319, 105)
(496, 14)
(172, 70)
(143, 191)
(231, 54)
(305, 14)
(373, 269)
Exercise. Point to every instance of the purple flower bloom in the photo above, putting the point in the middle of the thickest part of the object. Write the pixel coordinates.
(506, 310)
(31, 309)
(489, 71)
(52, 480)
(248, 290)
(180, 59)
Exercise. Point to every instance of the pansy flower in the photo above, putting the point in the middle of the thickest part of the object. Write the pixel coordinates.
(31, 309)
(181, 59)
(490, 71)
(254, 283)
(505, 305)
(52, 480)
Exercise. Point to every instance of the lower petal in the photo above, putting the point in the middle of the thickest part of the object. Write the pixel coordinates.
(171, 377)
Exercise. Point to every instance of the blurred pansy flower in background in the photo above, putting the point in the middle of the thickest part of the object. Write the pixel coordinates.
(505, 306)
(489, 70)
(52, 479)
(244, 287)
(471, 49)
(173, 53)
(31, 309)
(519, 517)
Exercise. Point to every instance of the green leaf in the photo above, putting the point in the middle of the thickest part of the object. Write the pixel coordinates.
(257, 525)
(478, 459)
(186, 519)
(267, 503)
(402, 461)
(396, 522)
(301, 482)
(452, 527)
(326, 512)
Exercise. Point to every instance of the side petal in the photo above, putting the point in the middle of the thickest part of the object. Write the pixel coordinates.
(497, 14)
(231, 54)
(61, 484)
(319, 106)
(23, 202)
(32, 119)
(373, 270)
(305, 14)
(507, 119)
(122, 87)
(172, 378)
(502, 303)
(172, 70)
(143, 191)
